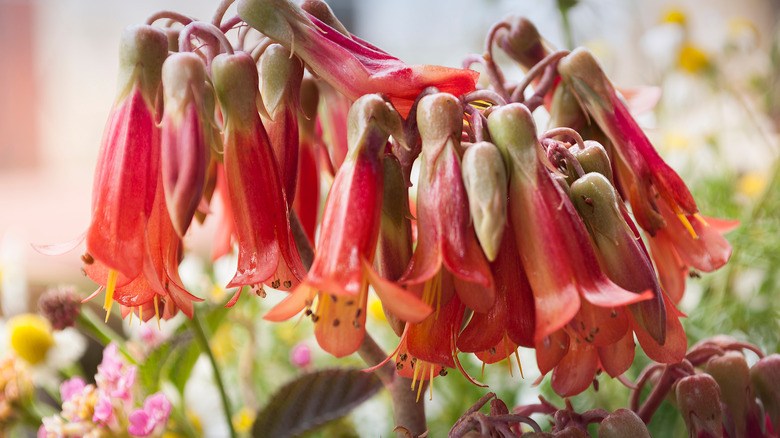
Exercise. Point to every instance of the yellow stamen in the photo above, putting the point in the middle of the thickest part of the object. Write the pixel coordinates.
(141, 313)
(701, 219)
(431, 383)
(519, 365)
(157, 312)
(508, 355)
(130, 320)
(110, 287)
(687, 225)
(414, 376)
(420, 384)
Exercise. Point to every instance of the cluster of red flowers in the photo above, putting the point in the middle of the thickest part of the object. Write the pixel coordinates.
(515, 239)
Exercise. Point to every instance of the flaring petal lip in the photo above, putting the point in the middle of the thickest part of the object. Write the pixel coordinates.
(351, 65)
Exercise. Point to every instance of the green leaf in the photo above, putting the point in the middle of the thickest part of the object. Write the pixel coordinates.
(313, 399)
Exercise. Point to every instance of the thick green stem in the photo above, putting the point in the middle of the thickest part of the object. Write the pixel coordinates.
(202, 340)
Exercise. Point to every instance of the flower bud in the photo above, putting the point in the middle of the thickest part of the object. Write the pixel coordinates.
(565, 109)
(623, 423)
(513, 130)
(522, 42)
(698, 400)
(184, 148)
(765, 383)
(236, 83)
(733, 376)
(144, 46)
(324, 13)
(485, 179)
(280, 88)
(623, 259)
(439, 117)
(280, 78)
(593, 158)
(394, 248)
(372, 111)
(582, 70)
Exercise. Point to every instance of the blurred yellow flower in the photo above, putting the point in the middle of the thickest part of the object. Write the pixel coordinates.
(752, 184)
(692, 59)
(243, 420)
(675, 16)
(375, 309)
(675, 139)
(31, 337)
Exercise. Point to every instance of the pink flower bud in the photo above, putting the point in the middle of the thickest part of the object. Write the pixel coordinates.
(765, 383)
(623, 423)
(698, 400)
(300, 355)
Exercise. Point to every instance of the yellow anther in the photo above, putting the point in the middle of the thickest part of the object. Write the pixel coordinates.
(110, 287)
(687, 225)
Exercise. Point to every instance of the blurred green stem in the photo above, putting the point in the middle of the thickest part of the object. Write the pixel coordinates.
(101, 332)
(203, 341)
(564, 6)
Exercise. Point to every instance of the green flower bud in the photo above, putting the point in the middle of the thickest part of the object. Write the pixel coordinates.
(513, 130)
(371, 110)
(236, 84)
(280, 75)
(593, 158)
(439, 118)
(485, 179)
(142, 51)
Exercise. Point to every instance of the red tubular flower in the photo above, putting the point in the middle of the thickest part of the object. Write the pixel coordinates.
(341, 271)
(510, 322)
(128, 164)
(552, 239)
(446, 238)
(266, 250)
(351, 65)
(307, 202)
(332, 121)
(159, 285)
(621, 255)
(280, 87)
(658, 197)
(185, 151)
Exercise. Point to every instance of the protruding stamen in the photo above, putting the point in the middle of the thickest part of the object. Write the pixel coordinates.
(110, 287)
(701, 219)
(157, 312)
(508, 355)
(519, 365)
(431, 383)
(420, 383)
(687, 225)
(130, 320)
